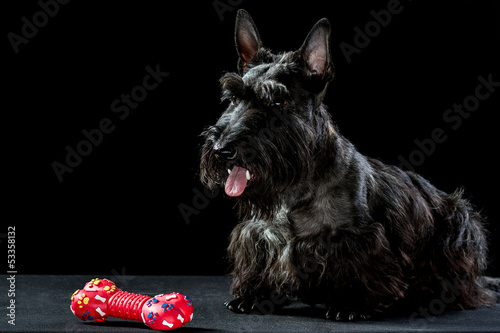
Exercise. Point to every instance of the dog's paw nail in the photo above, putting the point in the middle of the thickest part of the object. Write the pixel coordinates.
(345, 316)
(243, 308)
(255, 310)
(332, 314)
(234, 305)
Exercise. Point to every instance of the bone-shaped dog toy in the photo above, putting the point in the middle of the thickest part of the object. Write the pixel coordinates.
(100, 298)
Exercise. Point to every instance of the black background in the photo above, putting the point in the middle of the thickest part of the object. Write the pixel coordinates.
(118, 211)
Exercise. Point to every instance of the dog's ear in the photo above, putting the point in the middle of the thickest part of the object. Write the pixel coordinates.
(315, 53)
(247, 39)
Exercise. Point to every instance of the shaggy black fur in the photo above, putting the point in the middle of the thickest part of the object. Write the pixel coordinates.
(321, 222)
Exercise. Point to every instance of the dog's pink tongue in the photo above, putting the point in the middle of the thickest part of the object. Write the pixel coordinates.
(236, 182)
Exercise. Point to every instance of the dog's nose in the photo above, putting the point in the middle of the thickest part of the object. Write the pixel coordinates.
(226, 153)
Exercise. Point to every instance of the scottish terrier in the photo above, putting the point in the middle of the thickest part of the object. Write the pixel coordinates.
(322, 223)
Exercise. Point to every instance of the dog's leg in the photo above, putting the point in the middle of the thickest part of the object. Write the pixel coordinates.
(349, 305)
(360, 301)
(365, 277)
(258, 251)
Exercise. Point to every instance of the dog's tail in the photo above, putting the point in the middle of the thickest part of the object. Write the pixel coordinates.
(492, 284)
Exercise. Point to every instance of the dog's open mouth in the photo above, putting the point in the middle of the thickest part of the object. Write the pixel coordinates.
(237, 181)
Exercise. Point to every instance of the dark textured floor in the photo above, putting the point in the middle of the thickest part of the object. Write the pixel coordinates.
(42, 305)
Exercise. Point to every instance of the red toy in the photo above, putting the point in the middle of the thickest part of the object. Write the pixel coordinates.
(100, 298)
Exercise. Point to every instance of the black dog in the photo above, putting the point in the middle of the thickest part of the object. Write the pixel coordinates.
(321, 222)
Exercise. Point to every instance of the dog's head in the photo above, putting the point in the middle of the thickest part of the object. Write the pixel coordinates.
(266, 139)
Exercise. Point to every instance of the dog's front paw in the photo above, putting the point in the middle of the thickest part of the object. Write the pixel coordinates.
(334, 314)
(240, 305)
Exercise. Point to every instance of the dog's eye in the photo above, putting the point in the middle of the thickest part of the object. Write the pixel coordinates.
(235, 100)
(278, 103)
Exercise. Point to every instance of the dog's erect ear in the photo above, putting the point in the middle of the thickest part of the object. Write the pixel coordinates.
(247, 39)
(315, 52)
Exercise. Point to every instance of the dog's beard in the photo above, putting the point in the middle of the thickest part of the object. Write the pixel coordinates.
(264, 169)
